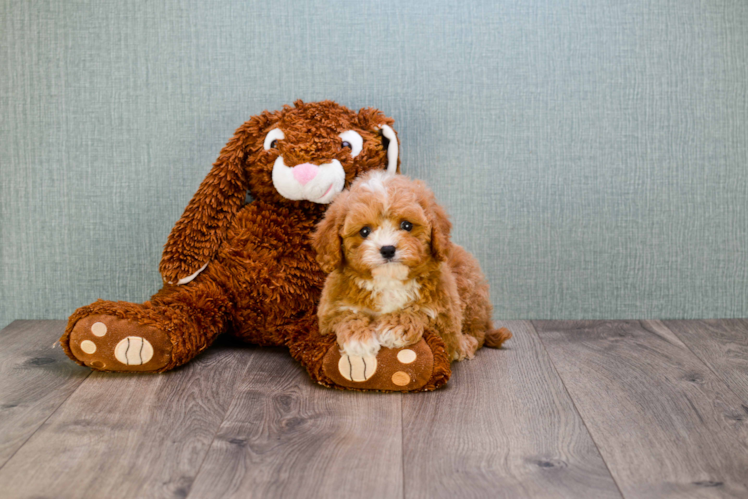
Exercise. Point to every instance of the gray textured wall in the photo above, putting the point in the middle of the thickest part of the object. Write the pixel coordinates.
(593, 154)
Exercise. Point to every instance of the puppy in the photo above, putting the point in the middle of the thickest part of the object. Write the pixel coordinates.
(393, 272)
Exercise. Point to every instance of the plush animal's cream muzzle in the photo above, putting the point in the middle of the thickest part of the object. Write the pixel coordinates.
(321, 183)
(316, 183)
(307, 181)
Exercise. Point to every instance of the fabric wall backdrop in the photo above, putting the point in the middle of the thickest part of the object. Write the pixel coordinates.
(592, 154)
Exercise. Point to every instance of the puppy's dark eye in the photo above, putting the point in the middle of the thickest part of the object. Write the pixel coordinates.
(406, 226)
(365, 231)
(346, 144)
(274, 144)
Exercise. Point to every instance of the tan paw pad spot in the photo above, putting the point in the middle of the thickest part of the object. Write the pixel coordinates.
(133, 351)
(88, 347)
(406, 356)
(356, 368)
(99, 329)
(400, 378)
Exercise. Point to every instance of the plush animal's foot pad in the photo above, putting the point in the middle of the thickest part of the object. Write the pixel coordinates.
(108, 343)
(406, 369)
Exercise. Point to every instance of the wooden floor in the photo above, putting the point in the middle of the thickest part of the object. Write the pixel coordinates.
(568, 409)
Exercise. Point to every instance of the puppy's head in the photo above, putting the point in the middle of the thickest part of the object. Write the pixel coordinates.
(384, 221)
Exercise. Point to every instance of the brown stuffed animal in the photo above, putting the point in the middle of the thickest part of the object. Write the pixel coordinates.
(249, 269)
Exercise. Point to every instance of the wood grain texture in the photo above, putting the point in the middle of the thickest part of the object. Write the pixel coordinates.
(503, 427)
(722, 344)
(35, 379)
(129, 435)
(286, 437)
(665, 406)
(665, 424)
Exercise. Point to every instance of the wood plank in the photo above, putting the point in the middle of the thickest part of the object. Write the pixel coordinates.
(130, 435)
(722, 344)
(503, 427)
(286, 437)
(664, 423)
(35, 379)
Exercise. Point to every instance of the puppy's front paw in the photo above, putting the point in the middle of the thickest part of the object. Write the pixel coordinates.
(399, 331)
(362, 346)
(357, 339)
(393, 336)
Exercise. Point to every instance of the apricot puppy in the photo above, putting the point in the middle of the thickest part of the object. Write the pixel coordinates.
(394, 272)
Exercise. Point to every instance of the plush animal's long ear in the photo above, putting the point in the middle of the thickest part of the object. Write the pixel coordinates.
(393, 148)
(326, 239)
(375, 121)
(197, 235)
(441, 227)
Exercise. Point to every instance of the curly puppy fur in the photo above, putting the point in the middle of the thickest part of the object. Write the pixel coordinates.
(394, 272)
(249, 269)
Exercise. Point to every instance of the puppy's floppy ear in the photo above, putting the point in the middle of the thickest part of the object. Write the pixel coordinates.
(374, 120)
(326, 240)
(441, 227)
(197, 235)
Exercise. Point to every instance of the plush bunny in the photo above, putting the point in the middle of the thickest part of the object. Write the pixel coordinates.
(248, 269)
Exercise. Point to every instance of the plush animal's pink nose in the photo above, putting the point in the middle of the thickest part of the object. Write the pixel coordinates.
(305, 172)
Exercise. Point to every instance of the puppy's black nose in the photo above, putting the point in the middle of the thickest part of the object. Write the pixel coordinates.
(387, 251)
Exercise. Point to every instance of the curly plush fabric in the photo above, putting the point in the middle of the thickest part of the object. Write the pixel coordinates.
(246, 269)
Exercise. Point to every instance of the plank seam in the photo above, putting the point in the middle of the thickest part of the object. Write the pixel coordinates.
(218, 429)
(574, 404)
(402, 444)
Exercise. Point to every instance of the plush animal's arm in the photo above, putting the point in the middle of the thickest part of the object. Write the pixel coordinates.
(199, 232)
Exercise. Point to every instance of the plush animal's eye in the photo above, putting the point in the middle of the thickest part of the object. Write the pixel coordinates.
(271, 140)
(406, 226)
(365, 231)
(353, 140)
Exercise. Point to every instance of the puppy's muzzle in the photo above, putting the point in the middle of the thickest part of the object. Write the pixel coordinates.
(388, 251)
